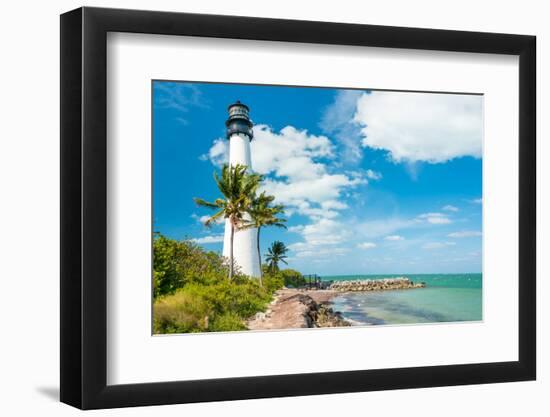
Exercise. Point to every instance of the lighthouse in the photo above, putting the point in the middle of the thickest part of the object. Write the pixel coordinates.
(239, 134)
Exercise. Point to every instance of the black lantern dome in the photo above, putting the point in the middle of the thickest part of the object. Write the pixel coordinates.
(239, 120)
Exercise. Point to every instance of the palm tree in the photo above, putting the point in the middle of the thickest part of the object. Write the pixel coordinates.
(263, 214)
(237, 188)
(275, 254)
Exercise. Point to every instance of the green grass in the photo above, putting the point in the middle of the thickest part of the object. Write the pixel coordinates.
(193, 294)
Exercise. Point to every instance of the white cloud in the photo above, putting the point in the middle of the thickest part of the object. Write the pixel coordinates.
(178, 96)
(438, 220)
(337, 120)
(434, 218)
(315, 190)
(383, 227)
(320, 232)
(289, 153)
(437, 245)
(203, 219)
(464, 233)
(366, 245)
(323, 254)
(298, 173)
(477, 201)
(373, 175)
(208, 239)
(426, 127)
(394, 238)
(298, 165)
(388, 226)
(321, 238)
(334, 204)
(450, 208)
(305, 209)
(218, 153)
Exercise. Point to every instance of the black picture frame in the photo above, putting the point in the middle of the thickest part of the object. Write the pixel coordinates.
(84, 207)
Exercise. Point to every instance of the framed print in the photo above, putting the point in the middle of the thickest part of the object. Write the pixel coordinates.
(256, 208)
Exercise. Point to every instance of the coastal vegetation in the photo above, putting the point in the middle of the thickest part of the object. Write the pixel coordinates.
(290, 277)
(193, 293)
(275, 254)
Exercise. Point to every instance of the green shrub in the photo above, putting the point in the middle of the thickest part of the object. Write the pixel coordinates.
(180, 313)
(273, 282)
(223, 306)
(244, 299)
(193, 294)
(176, 264)
(219, 307)
(226, 323)
(292, 278)
(283, 277)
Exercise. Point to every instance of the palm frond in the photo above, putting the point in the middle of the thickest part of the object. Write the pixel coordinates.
(214, 218)
(204, 203)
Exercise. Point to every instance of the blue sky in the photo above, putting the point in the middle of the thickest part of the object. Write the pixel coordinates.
(372, 181)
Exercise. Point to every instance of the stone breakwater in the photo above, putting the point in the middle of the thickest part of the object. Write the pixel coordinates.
(400, 283)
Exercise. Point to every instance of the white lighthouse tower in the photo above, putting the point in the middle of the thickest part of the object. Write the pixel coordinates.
(239, 134)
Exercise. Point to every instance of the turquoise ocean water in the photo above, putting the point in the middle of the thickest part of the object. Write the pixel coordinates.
(446, 298)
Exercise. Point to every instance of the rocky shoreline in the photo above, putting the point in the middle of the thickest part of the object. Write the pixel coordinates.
(400, 283)
(306, 308)
(299, 309)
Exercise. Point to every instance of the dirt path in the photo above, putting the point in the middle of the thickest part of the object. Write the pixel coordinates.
(294, 309)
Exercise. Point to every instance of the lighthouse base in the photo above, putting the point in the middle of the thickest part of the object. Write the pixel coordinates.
(245, 250)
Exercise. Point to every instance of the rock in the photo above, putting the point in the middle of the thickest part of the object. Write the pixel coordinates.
(384, 284)
(260, 316)
(326, 317)
(297, 310)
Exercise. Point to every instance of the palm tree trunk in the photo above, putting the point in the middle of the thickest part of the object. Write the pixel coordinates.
(231, 252)
(259, 255)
